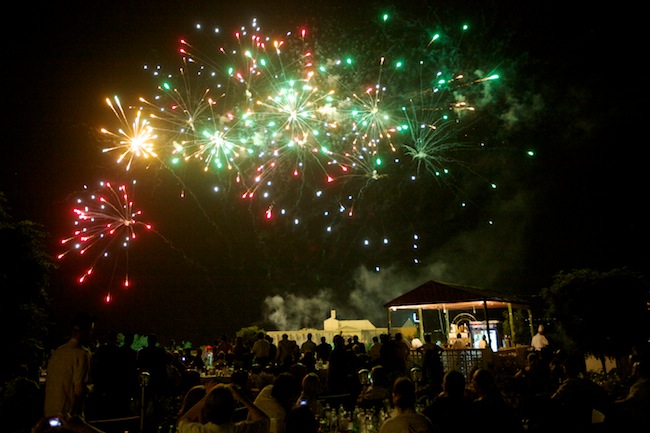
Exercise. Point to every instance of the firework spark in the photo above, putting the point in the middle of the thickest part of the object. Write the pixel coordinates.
(291, 121)
(301, 131)
(104, 220)
(136, 139)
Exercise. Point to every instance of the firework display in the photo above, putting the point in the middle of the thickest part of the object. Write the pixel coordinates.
(309, 130)
(104, 217)
(267, 109)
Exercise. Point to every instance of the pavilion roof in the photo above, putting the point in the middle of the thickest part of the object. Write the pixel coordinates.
(449, 296)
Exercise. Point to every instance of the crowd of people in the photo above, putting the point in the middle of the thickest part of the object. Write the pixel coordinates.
(279, 389)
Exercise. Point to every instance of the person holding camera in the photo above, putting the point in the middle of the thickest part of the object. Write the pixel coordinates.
(215, 411)
(64, 423)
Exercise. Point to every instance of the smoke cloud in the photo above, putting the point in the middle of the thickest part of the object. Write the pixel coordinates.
(293, 311)
(366, 301)
(484, 257)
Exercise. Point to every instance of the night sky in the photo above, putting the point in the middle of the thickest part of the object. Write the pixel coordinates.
(569, 90)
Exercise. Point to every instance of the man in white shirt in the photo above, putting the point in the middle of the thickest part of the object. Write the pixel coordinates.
(261, 350)
(404, 417)
(539, 341)
(68, 371)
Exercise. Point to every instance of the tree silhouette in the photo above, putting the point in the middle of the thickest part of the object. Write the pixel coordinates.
(24, 274)
(599, 313)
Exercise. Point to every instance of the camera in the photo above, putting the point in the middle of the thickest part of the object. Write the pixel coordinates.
(54, 422)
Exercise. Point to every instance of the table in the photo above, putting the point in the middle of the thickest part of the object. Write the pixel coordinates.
(220, 378)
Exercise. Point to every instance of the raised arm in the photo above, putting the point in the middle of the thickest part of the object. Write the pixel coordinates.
(254, 412)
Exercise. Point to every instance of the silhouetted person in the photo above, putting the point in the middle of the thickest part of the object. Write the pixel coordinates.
(285, 352)
(223, 345)
(432, 367)
(153, 359)
(310, 393)
(533, 386)
(389, 357)
(375, 348)
(308, 359)
(632, 410)
(21, 401)
(323, 350)
(340, 368)
(112, 378)
(308, 345)
(301, 420)
(273, 349)
(493, 413)
(197, 363)
(577, 396)
(404, 417)
(451, 405)
(375, 394)
(356, 342)
(128, 359)
(239, 352)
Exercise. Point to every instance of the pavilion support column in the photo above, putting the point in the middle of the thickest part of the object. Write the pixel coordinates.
(487, 322)
(421, 324)
(389, 319)
(530, 323)
(511, 320)
(447, 326)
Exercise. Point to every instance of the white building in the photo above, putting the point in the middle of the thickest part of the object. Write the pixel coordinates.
(364, 329)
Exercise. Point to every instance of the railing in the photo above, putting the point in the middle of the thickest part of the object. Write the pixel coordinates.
(131, 423)
(463, 360)
(467, 360)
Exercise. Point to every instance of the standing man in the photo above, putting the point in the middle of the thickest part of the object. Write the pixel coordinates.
(541, 345)
(68, 370)
(261, 350)
(323, 350)
(285, 352)
(539, 340)
(152, 358)
(375, 348)
(308, 346)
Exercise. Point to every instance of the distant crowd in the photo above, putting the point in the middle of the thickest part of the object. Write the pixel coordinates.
(343, 385)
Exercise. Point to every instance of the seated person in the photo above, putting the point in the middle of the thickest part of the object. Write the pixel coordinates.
(215, 412)
(374, 394)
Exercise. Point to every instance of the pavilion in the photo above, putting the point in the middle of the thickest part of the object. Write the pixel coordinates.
(447, 297)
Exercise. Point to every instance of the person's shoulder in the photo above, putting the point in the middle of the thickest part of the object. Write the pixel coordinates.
(265, 392)
(74, 346)
(185, 426)
(641, 385)
(249, 426)
(412, 420)
(126, 351)
(61, 349)
(419, 418)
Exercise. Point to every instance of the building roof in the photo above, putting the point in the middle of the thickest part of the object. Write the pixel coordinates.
(332, 323)
(437, 295)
